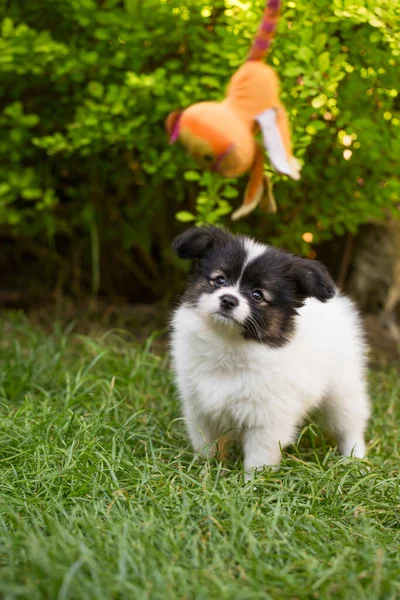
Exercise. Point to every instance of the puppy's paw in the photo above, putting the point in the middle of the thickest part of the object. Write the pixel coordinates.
(251, 473)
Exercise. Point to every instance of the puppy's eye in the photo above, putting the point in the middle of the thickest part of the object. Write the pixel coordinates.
(257, 295)
(220, 281)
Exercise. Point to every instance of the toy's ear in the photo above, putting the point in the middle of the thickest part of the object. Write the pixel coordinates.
(274, 127)
(172, 125)
(196, 241)
(311, 279)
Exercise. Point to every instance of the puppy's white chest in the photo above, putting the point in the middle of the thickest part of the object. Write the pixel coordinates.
(226, 383)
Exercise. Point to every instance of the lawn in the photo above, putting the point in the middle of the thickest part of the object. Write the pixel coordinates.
(101, 497)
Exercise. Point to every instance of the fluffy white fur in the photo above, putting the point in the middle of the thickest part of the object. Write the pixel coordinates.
(259, 394)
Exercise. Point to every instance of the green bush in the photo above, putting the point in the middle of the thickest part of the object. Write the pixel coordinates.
(88, 181)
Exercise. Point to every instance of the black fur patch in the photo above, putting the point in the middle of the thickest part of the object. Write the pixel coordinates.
(225, 254)
(270, 322)
(194, 242)
(311, 279)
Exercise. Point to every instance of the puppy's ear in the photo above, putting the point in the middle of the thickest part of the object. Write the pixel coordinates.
(194, 242)
(311, 279)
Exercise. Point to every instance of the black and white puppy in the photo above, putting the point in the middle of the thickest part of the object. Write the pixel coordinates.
(260, 339)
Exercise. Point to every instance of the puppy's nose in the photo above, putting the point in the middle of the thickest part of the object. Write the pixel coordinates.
(229, 302)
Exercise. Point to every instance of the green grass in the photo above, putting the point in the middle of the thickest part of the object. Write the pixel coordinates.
(100, 496)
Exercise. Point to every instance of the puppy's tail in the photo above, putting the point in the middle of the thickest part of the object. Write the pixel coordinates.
(266, 31)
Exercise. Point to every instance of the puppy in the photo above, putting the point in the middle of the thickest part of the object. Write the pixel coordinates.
(260, 339)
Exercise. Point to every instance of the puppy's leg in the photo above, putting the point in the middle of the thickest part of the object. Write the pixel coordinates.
(262, 445)
(346, 412)
(223, 445)
(200, 431)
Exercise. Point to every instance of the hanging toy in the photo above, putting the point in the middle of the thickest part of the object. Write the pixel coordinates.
(220, 135)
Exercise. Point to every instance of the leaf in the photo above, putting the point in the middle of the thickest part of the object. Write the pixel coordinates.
(4, 189)
(211, 82)
(191, 176)
(305, 54)
(49, 198)
(319, 101)
(223, 209)
(31, 193)
(7, 27)
(96, 89)
(320, 42)
(324, 61)
(30, 120)
(14, 110)
(230, 192)
(293, 71)
(375, 37)
(150, 168)
(319, 125)
(184, 216)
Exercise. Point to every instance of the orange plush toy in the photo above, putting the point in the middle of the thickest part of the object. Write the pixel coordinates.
(220, 135)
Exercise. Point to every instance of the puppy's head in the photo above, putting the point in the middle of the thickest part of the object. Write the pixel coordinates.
(242, 286)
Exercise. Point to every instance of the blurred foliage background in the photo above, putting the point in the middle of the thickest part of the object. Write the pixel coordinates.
(90, 188)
